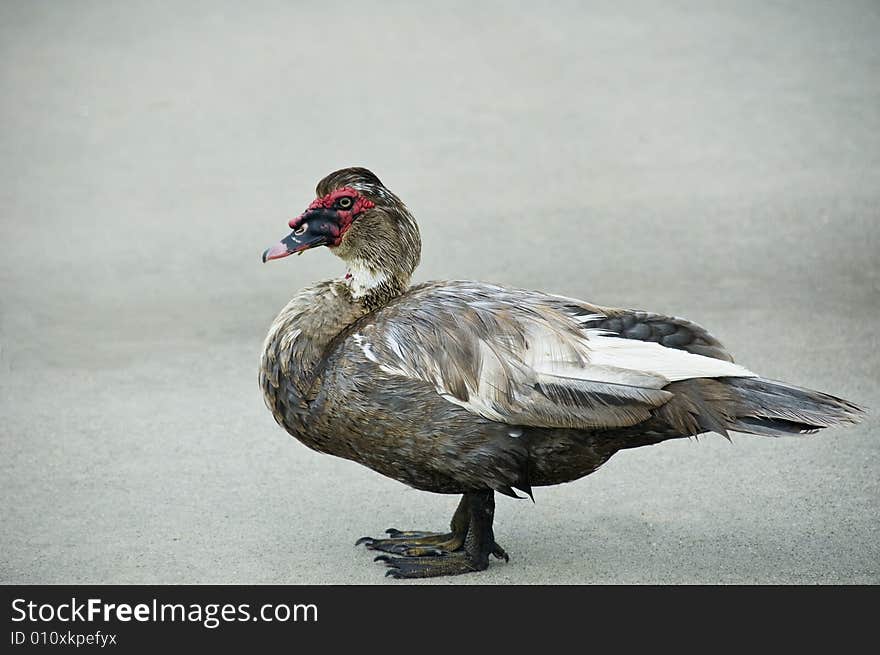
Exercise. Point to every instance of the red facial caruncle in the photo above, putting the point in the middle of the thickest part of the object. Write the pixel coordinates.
(345, 204)
(324, 223)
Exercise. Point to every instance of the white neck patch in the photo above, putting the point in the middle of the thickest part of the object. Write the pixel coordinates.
(361, 280)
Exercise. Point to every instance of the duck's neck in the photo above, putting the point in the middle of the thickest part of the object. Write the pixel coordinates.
(372, 285)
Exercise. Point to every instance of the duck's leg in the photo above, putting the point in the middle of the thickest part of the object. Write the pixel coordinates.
(415, 544)
(473, 554)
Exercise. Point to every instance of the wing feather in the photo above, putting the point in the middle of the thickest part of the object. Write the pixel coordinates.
(527, 358)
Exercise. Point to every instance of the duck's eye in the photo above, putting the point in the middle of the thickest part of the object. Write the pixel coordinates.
(344, 202)
(301, 229)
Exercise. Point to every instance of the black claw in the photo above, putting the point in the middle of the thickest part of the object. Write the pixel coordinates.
(392, 573)
(364, 540)
(499, 553)
(392, 531)
(382, 558)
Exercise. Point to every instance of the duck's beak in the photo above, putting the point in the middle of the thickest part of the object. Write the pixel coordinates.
(287, 246)
(310, 231)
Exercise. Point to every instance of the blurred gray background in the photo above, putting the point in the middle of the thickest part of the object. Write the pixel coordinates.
(719, 161)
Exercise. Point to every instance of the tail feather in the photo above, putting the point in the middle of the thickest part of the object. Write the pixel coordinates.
(772, 408)
(770, 427)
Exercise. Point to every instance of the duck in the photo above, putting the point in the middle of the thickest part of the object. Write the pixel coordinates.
(470, 388)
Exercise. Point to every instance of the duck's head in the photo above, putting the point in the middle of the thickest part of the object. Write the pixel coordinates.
(361, 222)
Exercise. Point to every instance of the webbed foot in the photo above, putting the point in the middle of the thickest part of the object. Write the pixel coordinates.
(465, 549)
(430, 566)
(414, 544)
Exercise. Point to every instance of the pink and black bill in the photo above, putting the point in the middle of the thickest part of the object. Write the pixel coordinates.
(322, 224)
(312, 231)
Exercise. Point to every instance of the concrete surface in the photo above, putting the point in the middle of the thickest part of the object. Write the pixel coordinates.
(718, 163)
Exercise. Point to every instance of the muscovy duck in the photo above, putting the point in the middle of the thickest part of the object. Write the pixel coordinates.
(471, 388)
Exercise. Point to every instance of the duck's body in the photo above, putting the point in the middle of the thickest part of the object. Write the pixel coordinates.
(471, 388)
(327, 387)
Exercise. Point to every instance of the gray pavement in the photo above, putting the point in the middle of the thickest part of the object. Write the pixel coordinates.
(720, 163)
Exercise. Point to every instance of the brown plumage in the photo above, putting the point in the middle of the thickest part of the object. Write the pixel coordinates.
(470, 388)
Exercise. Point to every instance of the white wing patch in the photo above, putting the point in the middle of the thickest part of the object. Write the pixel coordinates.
(649, 357)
